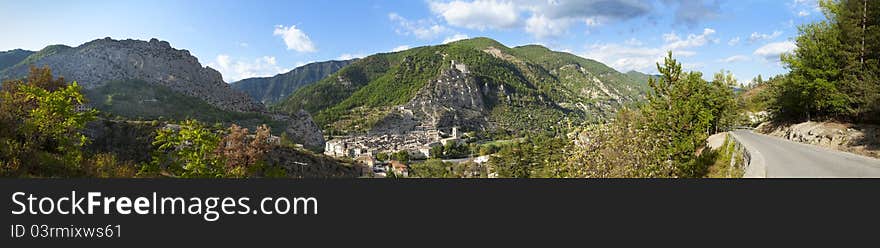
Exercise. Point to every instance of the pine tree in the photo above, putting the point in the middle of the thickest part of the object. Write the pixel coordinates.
(813, 88)
(722, 100)
(678, 113)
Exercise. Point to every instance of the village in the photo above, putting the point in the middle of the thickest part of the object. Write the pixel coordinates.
(381, 152)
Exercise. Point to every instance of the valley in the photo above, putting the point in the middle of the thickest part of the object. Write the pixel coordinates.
(464, 107)
(412, 102)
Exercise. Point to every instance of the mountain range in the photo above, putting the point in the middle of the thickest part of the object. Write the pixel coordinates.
(12, 57)
(269, 90)
(151, 80)
(475, 84)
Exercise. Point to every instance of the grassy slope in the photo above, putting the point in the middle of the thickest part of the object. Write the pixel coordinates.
(719, 161)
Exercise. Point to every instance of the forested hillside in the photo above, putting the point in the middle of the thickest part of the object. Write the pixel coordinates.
(269, 90)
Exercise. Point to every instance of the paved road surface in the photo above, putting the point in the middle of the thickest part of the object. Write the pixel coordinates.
(784, 158)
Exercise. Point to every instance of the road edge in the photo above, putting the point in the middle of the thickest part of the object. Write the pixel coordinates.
(756, 167)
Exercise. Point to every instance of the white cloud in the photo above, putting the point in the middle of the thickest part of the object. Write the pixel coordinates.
(542, 27)
(634, 55)
(674, 42)
(553, 18)
(300, 63)
(592, 21)
(479, 14)
(423, 29)
(759, 36)
(734, 41)
(804, 7)
(454, 38)
(633, 42)
(542, 19)
(772, 51)
(734, 58)
(234, 70)
(625, 58)
(400, 48)
(294, 38)
(347, 56)
(243, 44)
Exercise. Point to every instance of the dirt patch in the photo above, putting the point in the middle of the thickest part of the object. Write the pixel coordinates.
(716, 140)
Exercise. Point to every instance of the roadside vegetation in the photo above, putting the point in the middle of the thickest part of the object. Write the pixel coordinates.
(658, 139)
(726, 161)
(835, 69)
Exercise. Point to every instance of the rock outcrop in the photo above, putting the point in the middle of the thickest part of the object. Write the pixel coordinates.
(97, 62)
(301, 129)
(453, 99)
(859, 139)
(300, 164)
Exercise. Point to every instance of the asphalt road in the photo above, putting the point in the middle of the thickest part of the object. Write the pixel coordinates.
(785, 158)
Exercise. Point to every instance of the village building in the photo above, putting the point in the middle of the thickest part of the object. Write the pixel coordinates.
(399, 168)
(367, 160)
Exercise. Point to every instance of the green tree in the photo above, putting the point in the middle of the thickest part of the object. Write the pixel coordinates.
(58, 120)
(622, 148)
(858, 22)
(811, 87)
(187, 151)
(437, 152)
(433, 168)
(678, 113)
(834, 69)
(722, 101)
(513, 161)
(536, 156)
(382, 156)
(401, 156)
(40, 126)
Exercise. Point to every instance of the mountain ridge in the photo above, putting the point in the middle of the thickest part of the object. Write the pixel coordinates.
(103, 60)
(522, 88)
(137, 79)
(272, 89)
(13, 57)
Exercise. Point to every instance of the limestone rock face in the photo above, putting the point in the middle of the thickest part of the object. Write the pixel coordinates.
(96, 62)
(303, 130)
(453, 99)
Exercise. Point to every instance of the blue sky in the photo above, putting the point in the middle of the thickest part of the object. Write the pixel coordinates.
(262, 38)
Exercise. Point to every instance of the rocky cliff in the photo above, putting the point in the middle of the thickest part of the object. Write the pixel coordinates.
(302, 130)
(97, 62)
(454, 99)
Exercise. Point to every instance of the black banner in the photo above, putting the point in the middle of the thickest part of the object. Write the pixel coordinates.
(435, 212)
